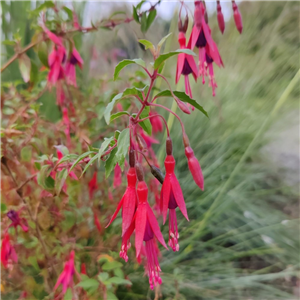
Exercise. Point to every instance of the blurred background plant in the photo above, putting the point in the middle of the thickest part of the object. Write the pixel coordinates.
(242, 241)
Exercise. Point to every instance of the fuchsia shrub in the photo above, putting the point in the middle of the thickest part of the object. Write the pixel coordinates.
(128, 149)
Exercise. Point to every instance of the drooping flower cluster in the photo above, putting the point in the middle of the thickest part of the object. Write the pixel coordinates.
(201, 38)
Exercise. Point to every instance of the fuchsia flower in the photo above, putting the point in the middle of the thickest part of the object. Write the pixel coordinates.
(193, 163)
(93, 186)
(220, 17)
(237, 17)
(185, 65)
(17, 221)
(201, 38)
(97, 223)
(129, 199)
(70, 71)
(55, 60)
(117, 176)
(83, 269)
(146, 228)
(156, 122)
(66, 276)
(171, 198)
(8, 252)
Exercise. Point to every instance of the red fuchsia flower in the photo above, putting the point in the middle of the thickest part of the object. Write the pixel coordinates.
(126, 241)
(156, 122)
(201, 38)
(237, 17)
(185, 65)
(117, 176)
(60, 94)
(193, 163)
(97, 223)
(129, 199)
(146, 228)
(171, 198)
(70, 70)
(17, 221)
(83, 269)
(66, 276)
(8, 252)
(93, 186)
(220, 16)
(60, 156)
(55, 60)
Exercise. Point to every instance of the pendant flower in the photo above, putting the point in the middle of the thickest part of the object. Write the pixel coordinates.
(156, 122)
(129, 199)
(117, 176)
(8, 252)
(17, 221)
(220, 17)
(70, 70)
(171, 198)
(55, 60)
(185, 65)
(237, 17)
(66, 277)
(93, 186)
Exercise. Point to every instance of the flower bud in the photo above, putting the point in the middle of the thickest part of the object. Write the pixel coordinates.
(220, 16)
(237, 17)
(169, 146)
(185, 24)
(131, 158)
(182, 106)
(157, 173)
(194, 167)
(141, 142)
(139, 172)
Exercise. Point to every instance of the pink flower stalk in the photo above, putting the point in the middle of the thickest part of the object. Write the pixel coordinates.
(8, 252)
(146, 228)
(193, 163)
(97, 223)
(185, 65)
(156, 122)
(237, 17)
(66, 276)
(171, 198)
(67, 123)
(128, 202)
(70, 70)
(117, 176)
(220, 17)
(93, 186)
(17, 221)
(201, 38)
(60, 94)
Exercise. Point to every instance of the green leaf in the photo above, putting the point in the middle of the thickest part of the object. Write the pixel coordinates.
(45, 5)
(183, 97)
(33, 261)
(111, 265)
(104, 145)
(9, 43)
(67, 157)
(125, 63)
(146, 124)
(44, 180)
(68, 295)
(80, 158)
(69, 12)
(144, 22)
(111, 162)
(3, 207)
(103, 276)
(118, 280)
(151, 18)
(34, 72)
(119, 273)
(165, 56)
(42, 52)
(135, 14)
(60, 179)
(147, 44)
(88, 284)
(140, 4)
(162, 41)
(117, 13)
(123, 144)
(110, 107)
(25, 67)
(117, 115)
(111, 296)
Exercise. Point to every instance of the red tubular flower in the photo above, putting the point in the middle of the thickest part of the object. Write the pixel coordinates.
(118, 176)
(156, 122)
(17, 221)
(128, 201)
(70, 70)
(66, 277)
(97, 223)
(201, 38)
(146, 228)
(171, 198)
(93, 186)
(8, 252)
(194, 167)
(220, 16)
(83, 269)
(237, 17)
(126, 241)
(185, 65)
(55, 60)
